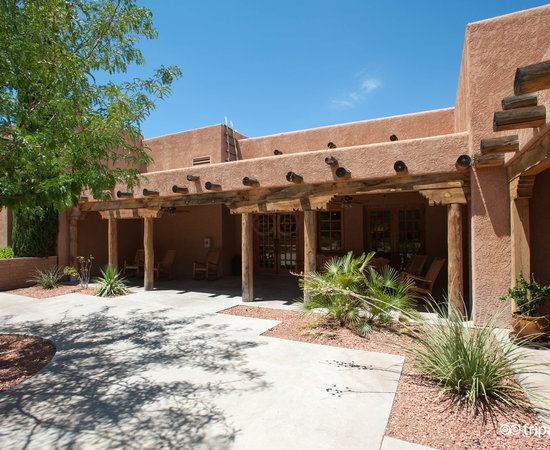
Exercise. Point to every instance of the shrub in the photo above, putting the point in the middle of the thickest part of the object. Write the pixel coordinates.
(528, 296)
(34, 231)
(109, 283)
(48, 279)
(470, 362)
(354, 299)
(6, 253)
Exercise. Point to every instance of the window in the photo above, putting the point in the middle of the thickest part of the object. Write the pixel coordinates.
(330, 231)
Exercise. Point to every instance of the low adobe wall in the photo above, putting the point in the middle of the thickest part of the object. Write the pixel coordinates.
(15, 272)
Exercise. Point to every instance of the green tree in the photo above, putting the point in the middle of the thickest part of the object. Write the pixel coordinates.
(62, 131)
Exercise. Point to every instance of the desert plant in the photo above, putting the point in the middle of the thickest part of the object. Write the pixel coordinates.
(528, 296)
(109, 283)
(470, 362)
(6, 253)
(84, 270)
(357, 300)
(47, 279)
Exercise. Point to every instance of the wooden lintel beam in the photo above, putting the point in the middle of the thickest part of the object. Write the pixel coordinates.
(445, 196)
(531, 161)
(519, 101)
(522, 187)
(131, 213)
(489, 160)
(534, 77)
(528, 117)
(502, 144)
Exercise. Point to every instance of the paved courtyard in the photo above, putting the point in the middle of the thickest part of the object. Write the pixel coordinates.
(162, 370)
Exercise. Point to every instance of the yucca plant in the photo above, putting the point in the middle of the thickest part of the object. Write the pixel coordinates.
(47, 279)
(471, 363)
(109, 283)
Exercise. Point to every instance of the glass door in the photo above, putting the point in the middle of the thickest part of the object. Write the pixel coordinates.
(276, 242)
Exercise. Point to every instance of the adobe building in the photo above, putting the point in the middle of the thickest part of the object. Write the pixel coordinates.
(469, 184)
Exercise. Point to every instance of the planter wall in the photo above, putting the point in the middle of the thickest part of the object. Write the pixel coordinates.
(15, 272)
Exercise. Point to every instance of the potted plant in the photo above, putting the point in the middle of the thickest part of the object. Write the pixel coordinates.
(527, 321)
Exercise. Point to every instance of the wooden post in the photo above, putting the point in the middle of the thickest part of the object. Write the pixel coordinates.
(149, 253)
(310, 243)
(247, 258)
(113, 243)
(519, 230)
(455, 283)
(73, 240)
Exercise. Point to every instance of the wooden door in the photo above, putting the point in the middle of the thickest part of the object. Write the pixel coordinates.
(276, 243)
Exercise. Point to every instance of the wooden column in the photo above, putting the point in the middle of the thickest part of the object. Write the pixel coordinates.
(113, 243)
(521, 190)
(247, 258)
(73, 240)
(455, 281)
(149, 253)
(310, 241)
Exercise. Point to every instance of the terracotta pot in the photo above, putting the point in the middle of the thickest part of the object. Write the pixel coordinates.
(531, 328)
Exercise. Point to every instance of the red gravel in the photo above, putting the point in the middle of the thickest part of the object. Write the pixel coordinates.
(21, 356)
(419, 413)
(36, 292)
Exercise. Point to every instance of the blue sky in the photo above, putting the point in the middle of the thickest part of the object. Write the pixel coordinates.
(275, 66)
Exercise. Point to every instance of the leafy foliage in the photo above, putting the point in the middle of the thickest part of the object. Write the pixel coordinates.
(109, 283)
(48, 279)
(6, 253)
(528, 296)
(470, 362)
(61, 130)
(355, 299)
(35, 231)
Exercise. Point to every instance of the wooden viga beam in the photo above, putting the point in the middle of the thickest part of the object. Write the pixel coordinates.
(535, 77)
(497, 145)
(489, 160)
(519, 101)
(528, 117)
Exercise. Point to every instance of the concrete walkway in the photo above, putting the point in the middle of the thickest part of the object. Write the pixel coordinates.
(163, 370)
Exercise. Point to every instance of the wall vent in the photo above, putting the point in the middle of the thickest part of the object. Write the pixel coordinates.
(200, 160)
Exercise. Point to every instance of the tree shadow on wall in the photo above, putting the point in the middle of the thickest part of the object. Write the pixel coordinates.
(119, 382)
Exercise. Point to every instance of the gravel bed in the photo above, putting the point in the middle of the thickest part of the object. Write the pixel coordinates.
(37, 292)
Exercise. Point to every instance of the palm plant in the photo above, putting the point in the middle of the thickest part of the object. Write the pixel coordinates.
(357, 300)
(110, 283)
(47, 279)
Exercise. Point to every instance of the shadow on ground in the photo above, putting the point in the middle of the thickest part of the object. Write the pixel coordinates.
(123, 382)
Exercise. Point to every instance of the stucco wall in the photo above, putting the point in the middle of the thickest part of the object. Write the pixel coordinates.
(494, 49)
(15, 272)
(410, 126)
(92, 240)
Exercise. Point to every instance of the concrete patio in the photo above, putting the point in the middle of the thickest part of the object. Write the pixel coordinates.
(161, 369)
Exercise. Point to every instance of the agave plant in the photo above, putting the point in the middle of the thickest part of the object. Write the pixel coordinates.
(110, 283)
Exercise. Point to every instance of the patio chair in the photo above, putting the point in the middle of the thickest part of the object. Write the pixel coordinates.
(207, 269)
(164, 266)
(415, 265)
(378, 263)
(137, 265)
(424, 285)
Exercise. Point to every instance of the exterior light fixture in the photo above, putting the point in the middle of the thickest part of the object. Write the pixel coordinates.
(346, 201)
(394, 138)
(124, 194)
(248, 181)
(331, 160)
(294, 177)
(464, 161)
(342, 172)
(277, 152)
(171, 211)
(400, 167)
(193, 178)
(179, 189)
(149, 193)
(208, 185)
(331, 145)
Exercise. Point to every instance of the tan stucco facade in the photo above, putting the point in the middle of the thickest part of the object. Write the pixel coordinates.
(429, 143)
